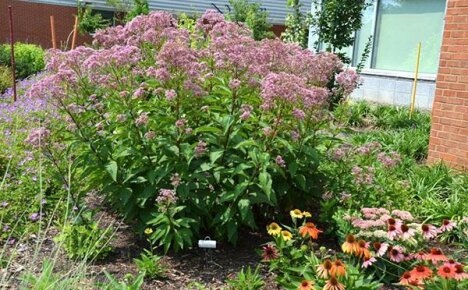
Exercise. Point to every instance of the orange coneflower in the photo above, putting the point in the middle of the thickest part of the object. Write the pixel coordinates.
(421, 272)
(447, 272)
(408, 280)
(436, 255)
(324, 269)
(338, 268)
(309, 229)
(460, 273)
(306, 285)
(333, 284)
(350, 245)
(363, 250)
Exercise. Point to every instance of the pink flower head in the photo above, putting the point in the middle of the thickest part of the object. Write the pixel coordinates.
(348, 80)
(406, 232)
(447, 225)
(234, 84)
(429, 231)
(170, 95)
(280, 161)
(368, 262)
(380, 248)
(396, 254)
(38, 137)
(150, 135)
(200, 149)
(181, 123)
(166, 197)
(298, 114)
(142, 120)
(393, 232)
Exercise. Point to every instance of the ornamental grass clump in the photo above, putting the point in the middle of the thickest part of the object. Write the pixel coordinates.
(229, 125)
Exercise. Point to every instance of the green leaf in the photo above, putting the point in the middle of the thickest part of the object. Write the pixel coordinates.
(266, 184)
(244, 208)
(215, 155)
(111, 168)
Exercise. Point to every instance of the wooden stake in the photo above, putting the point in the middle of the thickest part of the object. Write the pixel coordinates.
(52, 31)
(75, 32)
(415, 83)
(13, 63)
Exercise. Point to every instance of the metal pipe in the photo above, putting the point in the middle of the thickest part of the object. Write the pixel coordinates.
(52, 31)
(12, 43)
(75, 32)
(415, 83)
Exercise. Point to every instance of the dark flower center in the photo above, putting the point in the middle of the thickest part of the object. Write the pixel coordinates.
(404, 228)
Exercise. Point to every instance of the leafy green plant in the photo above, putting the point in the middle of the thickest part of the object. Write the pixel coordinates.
(129, 282)
(335, 22)
(297, 25)
(243, 11)
(150, 264)
(229, 137)
(29, 58)
(88, 20)
(247, 280)
(5, 78)
(84, 239)
(47, 279)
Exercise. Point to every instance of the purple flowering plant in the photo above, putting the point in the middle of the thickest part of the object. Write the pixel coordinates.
(238, 121)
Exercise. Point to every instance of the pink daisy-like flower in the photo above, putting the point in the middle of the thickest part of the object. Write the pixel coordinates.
(380, 248)
(419, 255)
(396, 255)
(446, 226)
(368, 262)
(393, 232)
(406, 232)
(429, 231)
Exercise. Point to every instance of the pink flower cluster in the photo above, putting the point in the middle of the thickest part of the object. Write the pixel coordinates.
(397, 225)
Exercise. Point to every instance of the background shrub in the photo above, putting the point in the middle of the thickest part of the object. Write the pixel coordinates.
(203, 132)
(29, 58)
(5, 78)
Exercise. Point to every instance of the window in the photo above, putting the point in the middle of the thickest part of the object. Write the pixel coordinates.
(396, 27)
(400, 26)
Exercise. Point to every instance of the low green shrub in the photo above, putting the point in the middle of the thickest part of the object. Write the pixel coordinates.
(247, 280)
(29, 58)
(83, 239)
(150, 264)
(5, 78)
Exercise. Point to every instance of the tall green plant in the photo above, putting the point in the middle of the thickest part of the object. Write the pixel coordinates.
(335, 21)
(297, 25)
(242, 11)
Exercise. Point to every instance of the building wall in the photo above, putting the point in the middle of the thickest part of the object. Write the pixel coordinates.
(277, 8)
(394, 90)
(449, 133)
(31, 23)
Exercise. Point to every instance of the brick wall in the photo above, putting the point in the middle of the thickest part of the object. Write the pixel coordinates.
(32, 23)
(449, 134)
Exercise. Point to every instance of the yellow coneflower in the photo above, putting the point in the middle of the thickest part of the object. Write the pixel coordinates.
(274, 229)
(350, 245)
(306, 214)
(297, 214)
(148, 231)
(286, 235)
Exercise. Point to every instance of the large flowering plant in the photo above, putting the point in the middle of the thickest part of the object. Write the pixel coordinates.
(369, 176)
(398, 247)
(226, 124)
(30, 182)
(298, 262)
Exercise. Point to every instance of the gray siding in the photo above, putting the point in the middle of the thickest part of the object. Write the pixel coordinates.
(276, 8)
